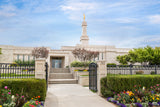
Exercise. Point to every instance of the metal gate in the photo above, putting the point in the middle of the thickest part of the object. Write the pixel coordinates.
(93, 77)
(46, 66)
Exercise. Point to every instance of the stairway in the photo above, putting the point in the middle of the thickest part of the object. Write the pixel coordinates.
(61, 76)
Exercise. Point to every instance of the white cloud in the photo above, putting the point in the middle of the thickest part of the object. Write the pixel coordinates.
(126, 20)
(130, 42)
(154, 19)
(7, 10)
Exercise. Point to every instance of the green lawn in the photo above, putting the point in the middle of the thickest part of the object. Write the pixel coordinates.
(14, 75)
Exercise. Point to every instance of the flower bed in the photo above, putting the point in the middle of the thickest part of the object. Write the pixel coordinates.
(139, 96)
(7, 99)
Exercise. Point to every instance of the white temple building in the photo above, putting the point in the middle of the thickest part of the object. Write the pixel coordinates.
(62, 57)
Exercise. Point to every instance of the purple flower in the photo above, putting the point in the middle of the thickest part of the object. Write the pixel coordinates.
(114, 101)
(138, 105)
(42, 104)
(121, 105)
(109, 98)
(159, 103)
(152, 92)
(150, 104)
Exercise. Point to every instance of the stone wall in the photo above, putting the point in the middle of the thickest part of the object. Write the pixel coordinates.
(108, 53)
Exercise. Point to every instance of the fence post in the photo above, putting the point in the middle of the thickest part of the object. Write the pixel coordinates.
(155, 69)
(46, 70)
(101, 72)
(40, 68)
(131, 68)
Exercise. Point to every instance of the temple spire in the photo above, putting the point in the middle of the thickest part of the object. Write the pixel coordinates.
(84, 38)
(84, 16)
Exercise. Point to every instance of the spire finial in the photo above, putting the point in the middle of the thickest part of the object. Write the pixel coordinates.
(84, 16)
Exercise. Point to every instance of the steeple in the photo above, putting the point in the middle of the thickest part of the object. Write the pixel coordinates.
(84, 38)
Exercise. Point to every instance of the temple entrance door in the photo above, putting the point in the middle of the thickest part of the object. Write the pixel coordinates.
(56, 63)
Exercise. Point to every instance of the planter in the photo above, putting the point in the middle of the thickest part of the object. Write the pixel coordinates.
(83, 80)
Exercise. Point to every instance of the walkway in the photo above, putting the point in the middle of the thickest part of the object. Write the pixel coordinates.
(73, 95)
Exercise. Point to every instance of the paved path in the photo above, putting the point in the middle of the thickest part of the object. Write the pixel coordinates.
(73, 95)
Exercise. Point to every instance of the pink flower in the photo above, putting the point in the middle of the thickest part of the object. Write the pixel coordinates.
(135, 86)
(22, 96)
(9, 92)
(154, 86)
(2, 94)
(157, 84)
(5, 87)
(151, 87)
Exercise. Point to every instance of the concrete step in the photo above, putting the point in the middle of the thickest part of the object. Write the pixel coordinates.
(63, 81)
(60, 76)
(59, 70)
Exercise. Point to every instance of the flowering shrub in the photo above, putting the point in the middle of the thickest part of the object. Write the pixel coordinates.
(9, 100)
(138, 97)
(6, 99)
(34, 102)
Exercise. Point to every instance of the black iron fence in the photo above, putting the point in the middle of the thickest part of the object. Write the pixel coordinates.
(133, 69)
(46, 70)
(93, 77)
(10, 70)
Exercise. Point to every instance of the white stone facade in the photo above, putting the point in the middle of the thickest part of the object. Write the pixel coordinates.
(107, 53)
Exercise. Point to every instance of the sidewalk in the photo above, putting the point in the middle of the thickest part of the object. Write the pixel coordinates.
(73, 95)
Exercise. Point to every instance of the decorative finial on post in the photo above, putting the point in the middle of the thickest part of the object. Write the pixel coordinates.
(84, 16)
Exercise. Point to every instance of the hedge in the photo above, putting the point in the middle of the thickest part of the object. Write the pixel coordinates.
(30, 87)
(80, 64)
(111, 65)
(119, 83)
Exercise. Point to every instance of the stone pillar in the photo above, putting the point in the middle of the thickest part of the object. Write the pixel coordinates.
(101, 72)
(40, 68)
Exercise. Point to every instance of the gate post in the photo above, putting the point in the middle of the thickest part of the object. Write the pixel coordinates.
(40, 68)
(101, 72)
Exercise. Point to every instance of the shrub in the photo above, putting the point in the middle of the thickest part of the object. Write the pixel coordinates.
(139, 72)
(31, 87)
(119, 83)
(80, 64)
(153, 72)
(111, 64)
(20, 62)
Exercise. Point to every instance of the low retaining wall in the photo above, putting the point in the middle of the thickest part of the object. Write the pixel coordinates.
(83, 80)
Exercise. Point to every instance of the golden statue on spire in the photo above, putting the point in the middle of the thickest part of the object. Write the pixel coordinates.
(84, 16)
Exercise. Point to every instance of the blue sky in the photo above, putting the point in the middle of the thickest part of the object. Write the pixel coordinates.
(55, 23)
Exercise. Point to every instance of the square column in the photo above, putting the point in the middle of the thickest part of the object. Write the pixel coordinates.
(40, 68)
(101, 72)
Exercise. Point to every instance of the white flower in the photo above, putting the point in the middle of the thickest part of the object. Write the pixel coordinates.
(143, 88)
(12, 96)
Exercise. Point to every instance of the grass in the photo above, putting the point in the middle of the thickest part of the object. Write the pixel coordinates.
(14, 75)
(84, 75)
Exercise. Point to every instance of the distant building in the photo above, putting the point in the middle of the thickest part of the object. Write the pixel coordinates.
(62, 57)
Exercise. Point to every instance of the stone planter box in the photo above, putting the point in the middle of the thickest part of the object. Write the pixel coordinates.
(83, 80)
(79, 73)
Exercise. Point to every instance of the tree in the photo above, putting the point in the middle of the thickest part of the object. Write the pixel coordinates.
(146, 55)
(84, 55)
(40, 52)
(123, 59)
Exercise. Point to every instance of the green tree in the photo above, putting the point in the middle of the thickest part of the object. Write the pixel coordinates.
(146, 55)
(123, 59)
